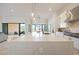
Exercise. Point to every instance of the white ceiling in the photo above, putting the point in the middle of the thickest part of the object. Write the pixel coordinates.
(24, 10)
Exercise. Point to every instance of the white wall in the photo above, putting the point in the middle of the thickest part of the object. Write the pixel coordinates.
(13, 20)
(55, 22)
(0, 23)
(39, 21)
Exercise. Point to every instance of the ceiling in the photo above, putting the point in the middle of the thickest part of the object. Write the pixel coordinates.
(24, 10)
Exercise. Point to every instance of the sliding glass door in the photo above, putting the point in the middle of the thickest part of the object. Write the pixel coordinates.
(41, 28)
(22, 28)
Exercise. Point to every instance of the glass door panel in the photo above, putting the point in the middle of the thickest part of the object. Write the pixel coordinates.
(22, 29)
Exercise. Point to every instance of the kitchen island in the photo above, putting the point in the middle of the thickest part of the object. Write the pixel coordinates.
(39, 45)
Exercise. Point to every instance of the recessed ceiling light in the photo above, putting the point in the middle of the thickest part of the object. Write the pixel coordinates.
(12, 10)
(50, 9)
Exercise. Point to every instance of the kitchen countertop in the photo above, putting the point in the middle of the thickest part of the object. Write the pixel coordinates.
(76, 35)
